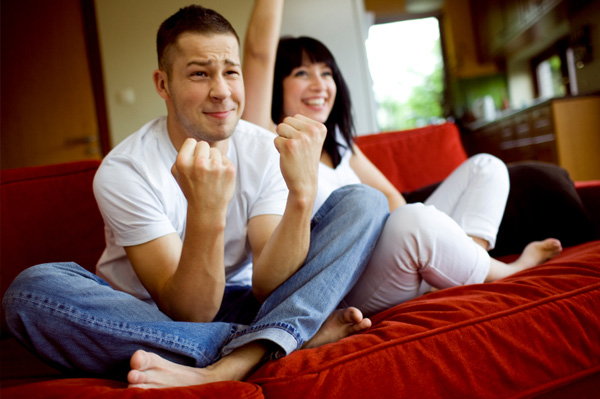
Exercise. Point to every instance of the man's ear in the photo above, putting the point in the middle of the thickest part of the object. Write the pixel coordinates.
(161, 83)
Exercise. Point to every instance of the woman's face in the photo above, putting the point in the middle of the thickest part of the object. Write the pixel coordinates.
(309, 90)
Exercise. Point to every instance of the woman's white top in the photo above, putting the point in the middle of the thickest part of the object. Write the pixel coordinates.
(331, 179)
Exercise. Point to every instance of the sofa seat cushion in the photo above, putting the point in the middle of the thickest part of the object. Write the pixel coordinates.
(532, 332)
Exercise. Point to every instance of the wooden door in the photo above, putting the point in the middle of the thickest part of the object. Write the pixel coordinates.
(48, 112)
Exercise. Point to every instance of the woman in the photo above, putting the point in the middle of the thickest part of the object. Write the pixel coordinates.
(441, 243)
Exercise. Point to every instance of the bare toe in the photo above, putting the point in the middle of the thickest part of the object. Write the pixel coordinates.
(340, 324)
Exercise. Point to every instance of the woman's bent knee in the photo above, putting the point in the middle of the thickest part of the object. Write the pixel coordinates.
(410, 219)
(489, 165)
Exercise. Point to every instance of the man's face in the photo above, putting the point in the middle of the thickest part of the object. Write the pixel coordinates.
(205, 89)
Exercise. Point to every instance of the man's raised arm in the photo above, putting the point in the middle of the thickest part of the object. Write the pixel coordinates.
(279, 255)
(187, 279)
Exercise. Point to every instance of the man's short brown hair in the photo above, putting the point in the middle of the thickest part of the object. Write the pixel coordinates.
(192, 19)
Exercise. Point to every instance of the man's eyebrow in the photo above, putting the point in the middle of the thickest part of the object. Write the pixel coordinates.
(200, 63)
(209, 62)
(231, 62)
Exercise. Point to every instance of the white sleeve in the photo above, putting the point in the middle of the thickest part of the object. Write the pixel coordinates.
(130, 205)
(273, 192)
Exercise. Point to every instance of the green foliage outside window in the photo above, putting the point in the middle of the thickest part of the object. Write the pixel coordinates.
(423, 106)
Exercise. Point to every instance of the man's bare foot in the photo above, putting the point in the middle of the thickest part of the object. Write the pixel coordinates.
(535, 252)
(149, 370)
(340, 324)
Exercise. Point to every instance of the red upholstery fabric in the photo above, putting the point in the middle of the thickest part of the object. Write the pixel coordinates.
(107, 389)
(48, 214)
(411, 159)
(519, 337)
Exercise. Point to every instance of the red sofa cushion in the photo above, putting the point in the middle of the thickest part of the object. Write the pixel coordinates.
(414, 158)
(48, 214)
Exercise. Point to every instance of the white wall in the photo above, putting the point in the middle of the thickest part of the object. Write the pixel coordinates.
(127, 34)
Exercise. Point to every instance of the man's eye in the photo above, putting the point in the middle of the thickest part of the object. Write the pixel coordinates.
(199, 73)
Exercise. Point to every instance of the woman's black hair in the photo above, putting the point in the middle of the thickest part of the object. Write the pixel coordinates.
(290, 53)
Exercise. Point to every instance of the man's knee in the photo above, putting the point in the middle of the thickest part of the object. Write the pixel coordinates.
(43, 274)
(366, 200)
(43, 278)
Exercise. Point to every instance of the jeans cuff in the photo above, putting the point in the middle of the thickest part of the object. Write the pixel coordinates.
(281, 334)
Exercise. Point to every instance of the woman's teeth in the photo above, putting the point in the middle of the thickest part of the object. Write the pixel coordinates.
(315, 101)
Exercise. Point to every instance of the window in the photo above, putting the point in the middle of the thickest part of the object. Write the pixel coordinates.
(551, 82)
(407, 69)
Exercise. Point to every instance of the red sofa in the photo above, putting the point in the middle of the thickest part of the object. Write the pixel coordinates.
(534, 334)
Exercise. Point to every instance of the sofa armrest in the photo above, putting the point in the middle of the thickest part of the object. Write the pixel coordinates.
(49, 214)
(589, 192)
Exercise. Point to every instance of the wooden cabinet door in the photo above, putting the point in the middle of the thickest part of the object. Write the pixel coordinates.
(48, 106)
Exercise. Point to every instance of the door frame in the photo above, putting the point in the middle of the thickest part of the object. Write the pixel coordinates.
(88, 11)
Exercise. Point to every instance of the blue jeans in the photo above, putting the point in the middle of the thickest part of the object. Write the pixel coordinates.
(76, 322)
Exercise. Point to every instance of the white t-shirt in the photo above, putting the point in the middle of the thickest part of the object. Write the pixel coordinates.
(331, 179)
(140, 199)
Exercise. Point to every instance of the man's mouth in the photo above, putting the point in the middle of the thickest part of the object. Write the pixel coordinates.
(219, 114)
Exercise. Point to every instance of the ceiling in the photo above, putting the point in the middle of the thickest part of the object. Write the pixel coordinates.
(402, 9)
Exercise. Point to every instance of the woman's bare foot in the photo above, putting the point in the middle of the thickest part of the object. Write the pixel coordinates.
(340, 324)
(149, 370)
(535, 252)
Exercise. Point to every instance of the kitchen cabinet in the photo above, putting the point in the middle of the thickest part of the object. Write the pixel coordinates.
(564, 131)
(500, 24)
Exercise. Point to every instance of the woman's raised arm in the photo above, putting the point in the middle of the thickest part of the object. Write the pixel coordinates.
(260, 50)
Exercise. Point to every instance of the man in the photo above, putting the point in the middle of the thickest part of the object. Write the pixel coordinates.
(212, 262)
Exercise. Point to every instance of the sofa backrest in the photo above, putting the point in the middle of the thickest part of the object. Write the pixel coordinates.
(415, 158)
(48, 214)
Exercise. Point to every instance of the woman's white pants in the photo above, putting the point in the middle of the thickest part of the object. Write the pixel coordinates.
(430, 244)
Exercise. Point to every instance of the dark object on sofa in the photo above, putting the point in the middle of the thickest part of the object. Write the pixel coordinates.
(542, 203)
(534, 334)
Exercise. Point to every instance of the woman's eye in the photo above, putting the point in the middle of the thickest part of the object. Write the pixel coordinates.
(300, 73)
